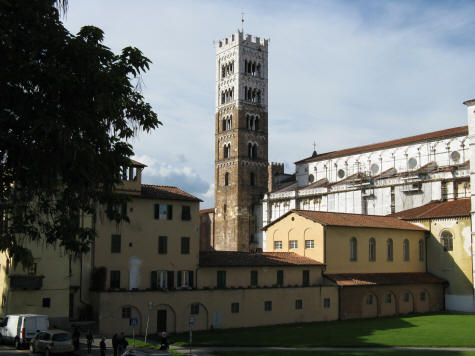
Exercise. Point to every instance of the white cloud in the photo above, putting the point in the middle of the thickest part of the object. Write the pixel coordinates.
(343, 73)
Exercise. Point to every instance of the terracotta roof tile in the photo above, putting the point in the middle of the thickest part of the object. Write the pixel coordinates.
(460, 207)
(352, 220)
(234, 259)
(207, 211)
(371, 279)
(436, 135)
(166, 192)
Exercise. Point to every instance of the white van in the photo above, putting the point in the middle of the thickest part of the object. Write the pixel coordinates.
(19, 329)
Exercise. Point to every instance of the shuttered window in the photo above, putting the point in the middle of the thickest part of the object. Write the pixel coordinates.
(115, 243)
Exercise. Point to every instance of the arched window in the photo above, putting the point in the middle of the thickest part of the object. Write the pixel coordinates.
(447, 240)
(227, 150)
(252, 178)
(421, 250)
(254, 152)
(256, 123)
(223, 97)
(258, 70)
(224, 124)
(223, 72)
(249, 150)
(226, 178)
(353, 249)
(258, 99)
(405, 250)
(369, 299)
(372, 249)
(389, 250)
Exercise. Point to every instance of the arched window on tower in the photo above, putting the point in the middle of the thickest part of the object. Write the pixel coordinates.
(245, 93)
(253, 69)
(227, 150)
(223, 122)
(258, 70)
(258, 96)
(252, 178)
(226, 178)
(249, 150)
(223, 97)
(256, 123)
(223, 71)
(254, 151)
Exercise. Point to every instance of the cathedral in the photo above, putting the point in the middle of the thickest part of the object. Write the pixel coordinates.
(381, 178)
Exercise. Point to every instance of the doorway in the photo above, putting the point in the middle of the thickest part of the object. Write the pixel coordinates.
(161, 320)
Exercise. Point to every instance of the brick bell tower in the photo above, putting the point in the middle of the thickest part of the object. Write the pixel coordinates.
(241, 139)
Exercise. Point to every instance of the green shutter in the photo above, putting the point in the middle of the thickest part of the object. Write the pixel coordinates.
(156, 211)
(170, 212)
(171, 279)
(153, 280)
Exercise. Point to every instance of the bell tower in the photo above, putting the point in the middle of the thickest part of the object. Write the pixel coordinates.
(241, 139)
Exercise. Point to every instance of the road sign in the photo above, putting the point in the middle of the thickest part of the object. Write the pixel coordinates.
(191, 321)
(134, 321)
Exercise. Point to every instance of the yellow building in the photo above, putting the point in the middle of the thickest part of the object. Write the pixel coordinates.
(449, 247)
(378, 263)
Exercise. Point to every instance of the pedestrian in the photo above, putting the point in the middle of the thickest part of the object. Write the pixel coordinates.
(90, 339)
(76, 336)
(102, 346)
(163, 341)
(122, 344)
(115, 343)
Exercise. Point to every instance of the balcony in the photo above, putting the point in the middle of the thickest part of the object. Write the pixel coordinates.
(26, 282)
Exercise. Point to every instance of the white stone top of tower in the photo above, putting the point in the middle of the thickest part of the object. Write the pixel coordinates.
(239, 38)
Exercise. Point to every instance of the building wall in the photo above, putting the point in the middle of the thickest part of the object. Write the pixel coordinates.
(338, 250)
(215, 308)
(206, 230)
(354, 300)
(454, 266)
(296, 227)
(139, 242)
(267, 276)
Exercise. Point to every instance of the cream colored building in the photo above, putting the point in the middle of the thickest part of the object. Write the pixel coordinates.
(377, 262)
(449, 247)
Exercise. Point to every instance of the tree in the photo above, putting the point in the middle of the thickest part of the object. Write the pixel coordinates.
(69, 107)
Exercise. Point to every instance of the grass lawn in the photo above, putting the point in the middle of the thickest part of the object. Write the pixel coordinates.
(345, 353)
(419, 330)
(141, 344)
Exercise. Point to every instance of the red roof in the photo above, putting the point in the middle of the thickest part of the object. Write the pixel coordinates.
(235, 259)
(460, 207)
(166, 193)
(372, 279)
(207, 211)
(352, 220)
(436, 135)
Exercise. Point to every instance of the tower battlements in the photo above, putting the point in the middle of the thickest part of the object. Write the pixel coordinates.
(239, 38)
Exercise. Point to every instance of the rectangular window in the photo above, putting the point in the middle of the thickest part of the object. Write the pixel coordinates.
(126, 313)
(309, 244)
(298, 304)
(163, 212)
(195, 309)
(184, 279)
(277, 245)
(160, 279)
(221, 279)
(33, 269)
(162, 245)
(280, 277)
(268, 305)
(153, 280)
(234, 308)
(171, 279)
(254, 278)
(326, 303)
(46, 302)
(115, 243)
(115, 279)
(185, 245)
(293, 244)
(185, 212)
(306, 278)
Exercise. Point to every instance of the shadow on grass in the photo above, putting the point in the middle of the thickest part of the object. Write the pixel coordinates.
(345, 353)
(418, 330)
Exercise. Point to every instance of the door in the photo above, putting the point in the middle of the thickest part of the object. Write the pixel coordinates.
(217, 320)
(161, 320)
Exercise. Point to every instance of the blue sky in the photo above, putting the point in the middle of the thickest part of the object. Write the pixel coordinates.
(341, 73)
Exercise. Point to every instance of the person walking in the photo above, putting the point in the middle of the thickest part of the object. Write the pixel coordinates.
(90, 340)
(76, 336)
(102, 346)
(115, 343)
(122, 344)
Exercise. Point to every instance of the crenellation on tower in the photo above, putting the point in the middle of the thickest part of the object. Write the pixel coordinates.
(241, 138)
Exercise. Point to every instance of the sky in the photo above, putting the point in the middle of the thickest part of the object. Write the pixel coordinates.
(341, 73)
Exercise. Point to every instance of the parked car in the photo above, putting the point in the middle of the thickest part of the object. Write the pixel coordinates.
(19, 329)
(52, 342)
